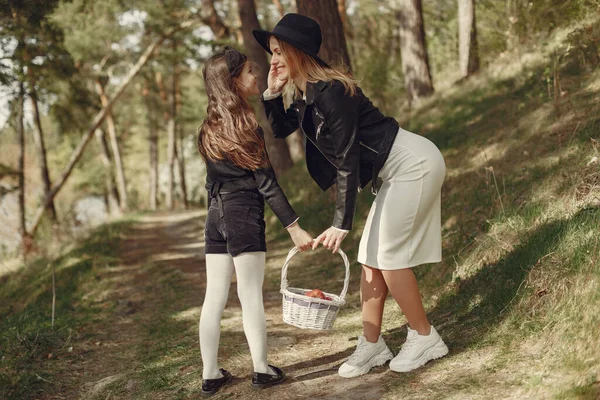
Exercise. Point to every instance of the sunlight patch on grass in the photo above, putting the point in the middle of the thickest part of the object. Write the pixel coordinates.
(191, 314)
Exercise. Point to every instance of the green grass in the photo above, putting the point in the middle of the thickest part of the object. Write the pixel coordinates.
(28, 342)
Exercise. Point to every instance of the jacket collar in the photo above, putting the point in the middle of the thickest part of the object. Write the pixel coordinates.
(312, 88)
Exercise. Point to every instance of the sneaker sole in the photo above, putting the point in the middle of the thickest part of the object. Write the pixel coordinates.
(439, 350)
(376, 361)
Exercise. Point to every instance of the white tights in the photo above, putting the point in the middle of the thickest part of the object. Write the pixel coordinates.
(250, 272)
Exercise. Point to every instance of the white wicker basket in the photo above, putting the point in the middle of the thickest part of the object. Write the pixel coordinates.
(309, 312)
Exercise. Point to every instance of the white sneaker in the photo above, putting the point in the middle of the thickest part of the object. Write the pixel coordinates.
(366, 356)
(417, 350)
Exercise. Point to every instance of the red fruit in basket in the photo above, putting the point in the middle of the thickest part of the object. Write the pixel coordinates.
(328, 298)
(316, 293)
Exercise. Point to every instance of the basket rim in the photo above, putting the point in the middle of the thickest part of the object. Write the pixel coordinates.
(284, 281)
(335, 302)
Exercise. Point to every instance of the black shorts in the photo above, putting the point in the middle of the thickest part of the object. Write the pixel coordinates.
(236, 224)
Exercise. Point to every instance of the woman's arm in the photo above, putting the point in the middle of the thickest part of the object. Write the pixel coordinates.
(275, 198)
(341, 114)
(283, 122)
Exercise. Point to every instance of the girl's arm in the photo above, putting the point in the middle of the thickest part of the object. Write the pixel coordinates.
(275, 198)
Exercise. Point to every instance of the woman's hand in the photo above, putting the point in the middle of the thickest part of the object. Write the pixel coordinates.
(276, 81)
(302, 239)
(331, 238)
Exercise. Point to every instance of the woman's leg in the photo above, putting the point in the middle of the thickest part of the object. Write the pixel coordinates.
(250, 272)
(371, 351)
(373, 291)
(403, 286)
(219, 268)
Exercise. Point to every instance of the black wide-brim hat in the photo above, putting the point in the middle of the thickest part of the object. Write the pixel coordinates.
(302, 32)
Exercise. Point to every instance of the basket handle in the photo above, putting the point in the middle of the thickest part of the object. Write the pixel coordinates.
(293, 251)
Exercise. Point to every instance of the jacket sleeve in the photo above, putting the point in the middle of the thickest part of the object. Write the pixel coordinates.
(283, 122)
(341, 115)
(274, 196)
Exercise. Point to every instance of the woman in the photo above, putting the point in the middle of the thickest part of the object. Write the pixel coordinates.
(350, 143)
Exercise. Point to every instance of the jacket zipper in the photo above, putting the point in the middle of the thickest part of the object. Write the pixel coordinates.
(323, 154)
(370, 148)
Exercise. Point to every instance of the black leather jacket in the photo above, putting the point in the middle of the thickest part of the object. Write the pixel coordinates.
(347, 140)
(225, 176)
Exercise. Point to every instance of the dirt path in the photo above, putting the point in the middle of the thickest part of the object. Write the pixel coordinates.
(146, 345)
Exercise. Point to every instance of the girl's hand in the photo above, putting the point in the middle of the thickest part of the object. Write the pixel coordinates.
(331, 238)
(302, 239)
(276, 81)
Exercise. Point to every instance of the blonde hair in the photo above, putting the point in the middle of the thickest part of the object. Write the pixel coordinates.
(308, 68)
(230, 130)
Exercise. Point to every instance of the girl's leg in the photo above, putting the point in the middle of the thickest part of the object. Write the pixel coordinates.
(250, 272)
(219, 268)
(373, 291)
(403, 286)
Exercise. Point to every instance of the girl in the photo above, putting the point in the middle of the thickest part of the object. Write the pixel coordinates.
(239, 180)
(350, 142)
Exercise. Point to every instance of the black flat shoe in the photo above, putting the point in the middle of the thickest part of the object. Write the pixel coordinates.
(212, 386)
(262, 381)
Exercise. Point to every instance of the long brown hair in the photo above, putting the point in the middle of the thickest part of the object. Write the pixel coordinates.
(230, 129)
(301, 64)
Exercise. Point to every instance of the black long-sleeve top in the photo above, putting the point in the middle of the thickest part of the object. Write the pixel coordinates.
(263, 180)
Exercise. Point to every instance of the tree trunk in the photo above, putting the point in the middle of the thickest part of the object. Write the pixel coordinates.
(279, 7)
(21, 167)
(153, 147)
(114, 144)
(326, 13)
(415, 61)
(171, 150)
(344, 18)
(180, 156)
(172, 136)
(181, 166)
(38, 136)
(76, 155)
(467, 38)
(214, 21)
(112, 194)
(278, 150)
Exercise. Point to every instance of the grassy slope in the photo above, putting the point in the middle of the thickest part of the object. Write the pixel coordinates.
(517, 296)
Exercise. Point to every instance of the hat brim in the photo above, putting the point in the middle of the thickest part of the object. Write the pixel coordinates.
(262, 37)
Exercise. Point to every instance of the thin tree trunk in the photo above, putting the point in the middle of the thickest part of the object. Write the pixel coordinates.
(415, 61)
(21, 167)
(38, 136)
(278, 150)
(344, 18)
(76, 155)
(326, 13)
(214, 21)
(172, 135)
(467, 38)
(114, 144)
(279, 7)
(153, 147)
(111, 191)
(179, 138)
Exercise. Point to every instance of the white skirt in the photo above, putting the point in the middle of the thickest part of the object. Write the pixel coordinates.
(403, 228)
